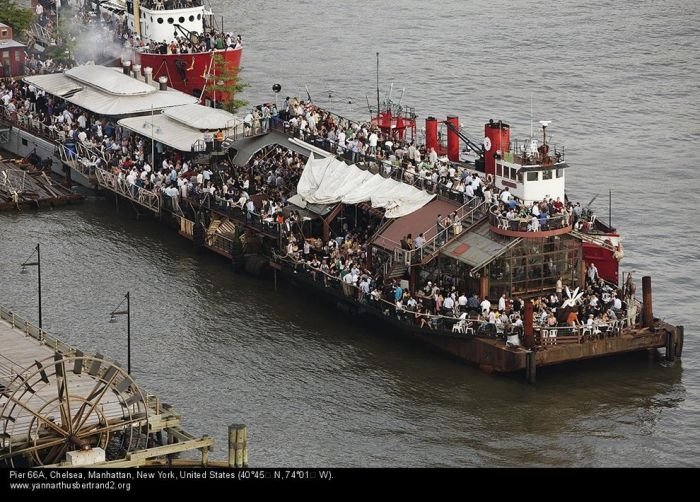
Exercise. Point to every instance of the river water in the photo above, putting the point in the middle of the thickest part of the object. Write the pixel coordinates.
(620, 84)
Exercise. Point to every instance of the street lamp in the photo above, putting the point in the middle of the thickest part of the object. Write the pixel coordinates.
(36, 264)
(113, 318)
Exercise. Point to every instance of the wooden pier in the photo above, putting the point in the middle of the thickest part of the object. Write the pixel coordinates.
(62, 407)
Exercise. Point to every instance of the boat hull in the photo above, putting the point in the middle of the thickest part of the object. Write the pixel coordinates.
(188, 72)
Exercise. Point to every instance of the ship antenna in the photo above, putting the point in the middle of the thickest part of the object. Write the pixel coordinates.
(531, 131)
(401, 98)
(378, 84)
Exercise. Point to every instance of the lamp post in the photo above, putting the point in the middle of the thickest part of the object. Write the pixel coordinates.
(113, 318)
(36, 264)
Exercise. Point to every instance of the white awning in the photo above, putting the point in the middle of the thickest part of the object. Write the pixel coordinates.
(203, 117)
(329, 181)
(169, 132)
(105, 98)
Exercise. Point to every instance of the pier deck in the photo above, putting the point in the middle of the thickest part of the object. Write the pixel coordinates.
(55, 399)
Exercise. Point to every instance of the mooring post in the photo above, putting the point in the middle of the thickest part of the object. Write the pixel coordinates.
(530, 367)
(679, 340)
(528, 328)
(670, 345)
(237, 445)
(647, 311)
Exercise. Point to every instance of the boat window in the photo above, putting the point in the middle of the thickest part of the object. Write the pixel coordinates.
(191, 18)
(520, 176)
(547, 175)
(171, 20)
(499, 170)
(513, 173)
(560, 173)
(181, 19)
(199, 16)
(532, 176)
(160, 20)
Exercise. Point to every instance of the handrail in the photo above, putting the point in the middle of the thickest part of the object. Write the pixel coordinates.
(34, 331)
(524, 226)
(467, 215)
(112, 182)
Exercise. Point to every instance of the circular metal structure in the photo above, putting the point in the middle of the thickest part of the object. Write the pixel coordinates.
(70, 402)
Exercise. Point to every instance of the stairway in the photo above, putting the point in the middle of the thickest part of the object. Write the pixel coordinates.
(397, 270)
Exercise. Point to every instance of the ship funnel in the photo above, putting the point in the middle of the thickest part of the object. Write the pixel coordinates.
(126, 67)
(148, 74)
(136, 71)
(163, 81)
(453, 139)
(431, 136)
(496, 144)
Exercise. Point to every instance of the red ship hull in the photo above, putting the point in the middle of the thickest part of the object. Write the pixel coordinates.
(188, 72)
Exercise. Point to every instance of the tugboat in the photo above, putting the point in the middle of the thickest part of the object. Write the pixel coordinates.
(160, 28)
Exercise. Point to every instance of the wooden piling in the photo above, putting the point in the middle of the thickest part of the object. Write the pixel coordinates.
(679, 340)
(670, 345)
(647, 311)
(530, 367)
(528, 327)
(237, 445)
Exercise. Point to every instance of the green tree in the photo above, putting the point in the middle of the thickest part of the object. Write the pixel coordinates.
(18, 17)
(226, 85)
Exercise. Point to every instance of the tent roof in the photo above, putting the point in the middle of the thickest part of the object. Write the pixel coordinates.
(329, 181)
(97, 90)
(202, 117)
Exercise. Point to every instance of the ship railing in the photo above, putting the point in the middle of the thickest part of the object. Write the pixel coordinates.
(135, 193)
(170, 4)
(29, 124)
(578, 334)
(443, 323)
(520, 152)
(241, 215)
(525, 225)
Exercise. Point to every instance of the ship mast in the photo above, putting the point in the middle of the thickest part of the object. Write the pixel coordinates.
(137, 18)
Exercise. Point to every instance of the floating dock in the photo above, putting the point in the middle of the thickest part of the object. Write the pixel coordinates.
(22, 189)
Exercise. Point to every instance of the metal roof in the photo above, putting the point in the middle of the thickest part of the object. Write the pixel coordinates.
(109, 93)
(476, 247)
(167, 131)
(10, 44)
(109, 80)
(202, 117)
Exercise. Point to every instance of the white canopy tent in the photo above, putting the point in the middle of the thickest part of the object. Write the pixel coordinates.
(329, 181)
